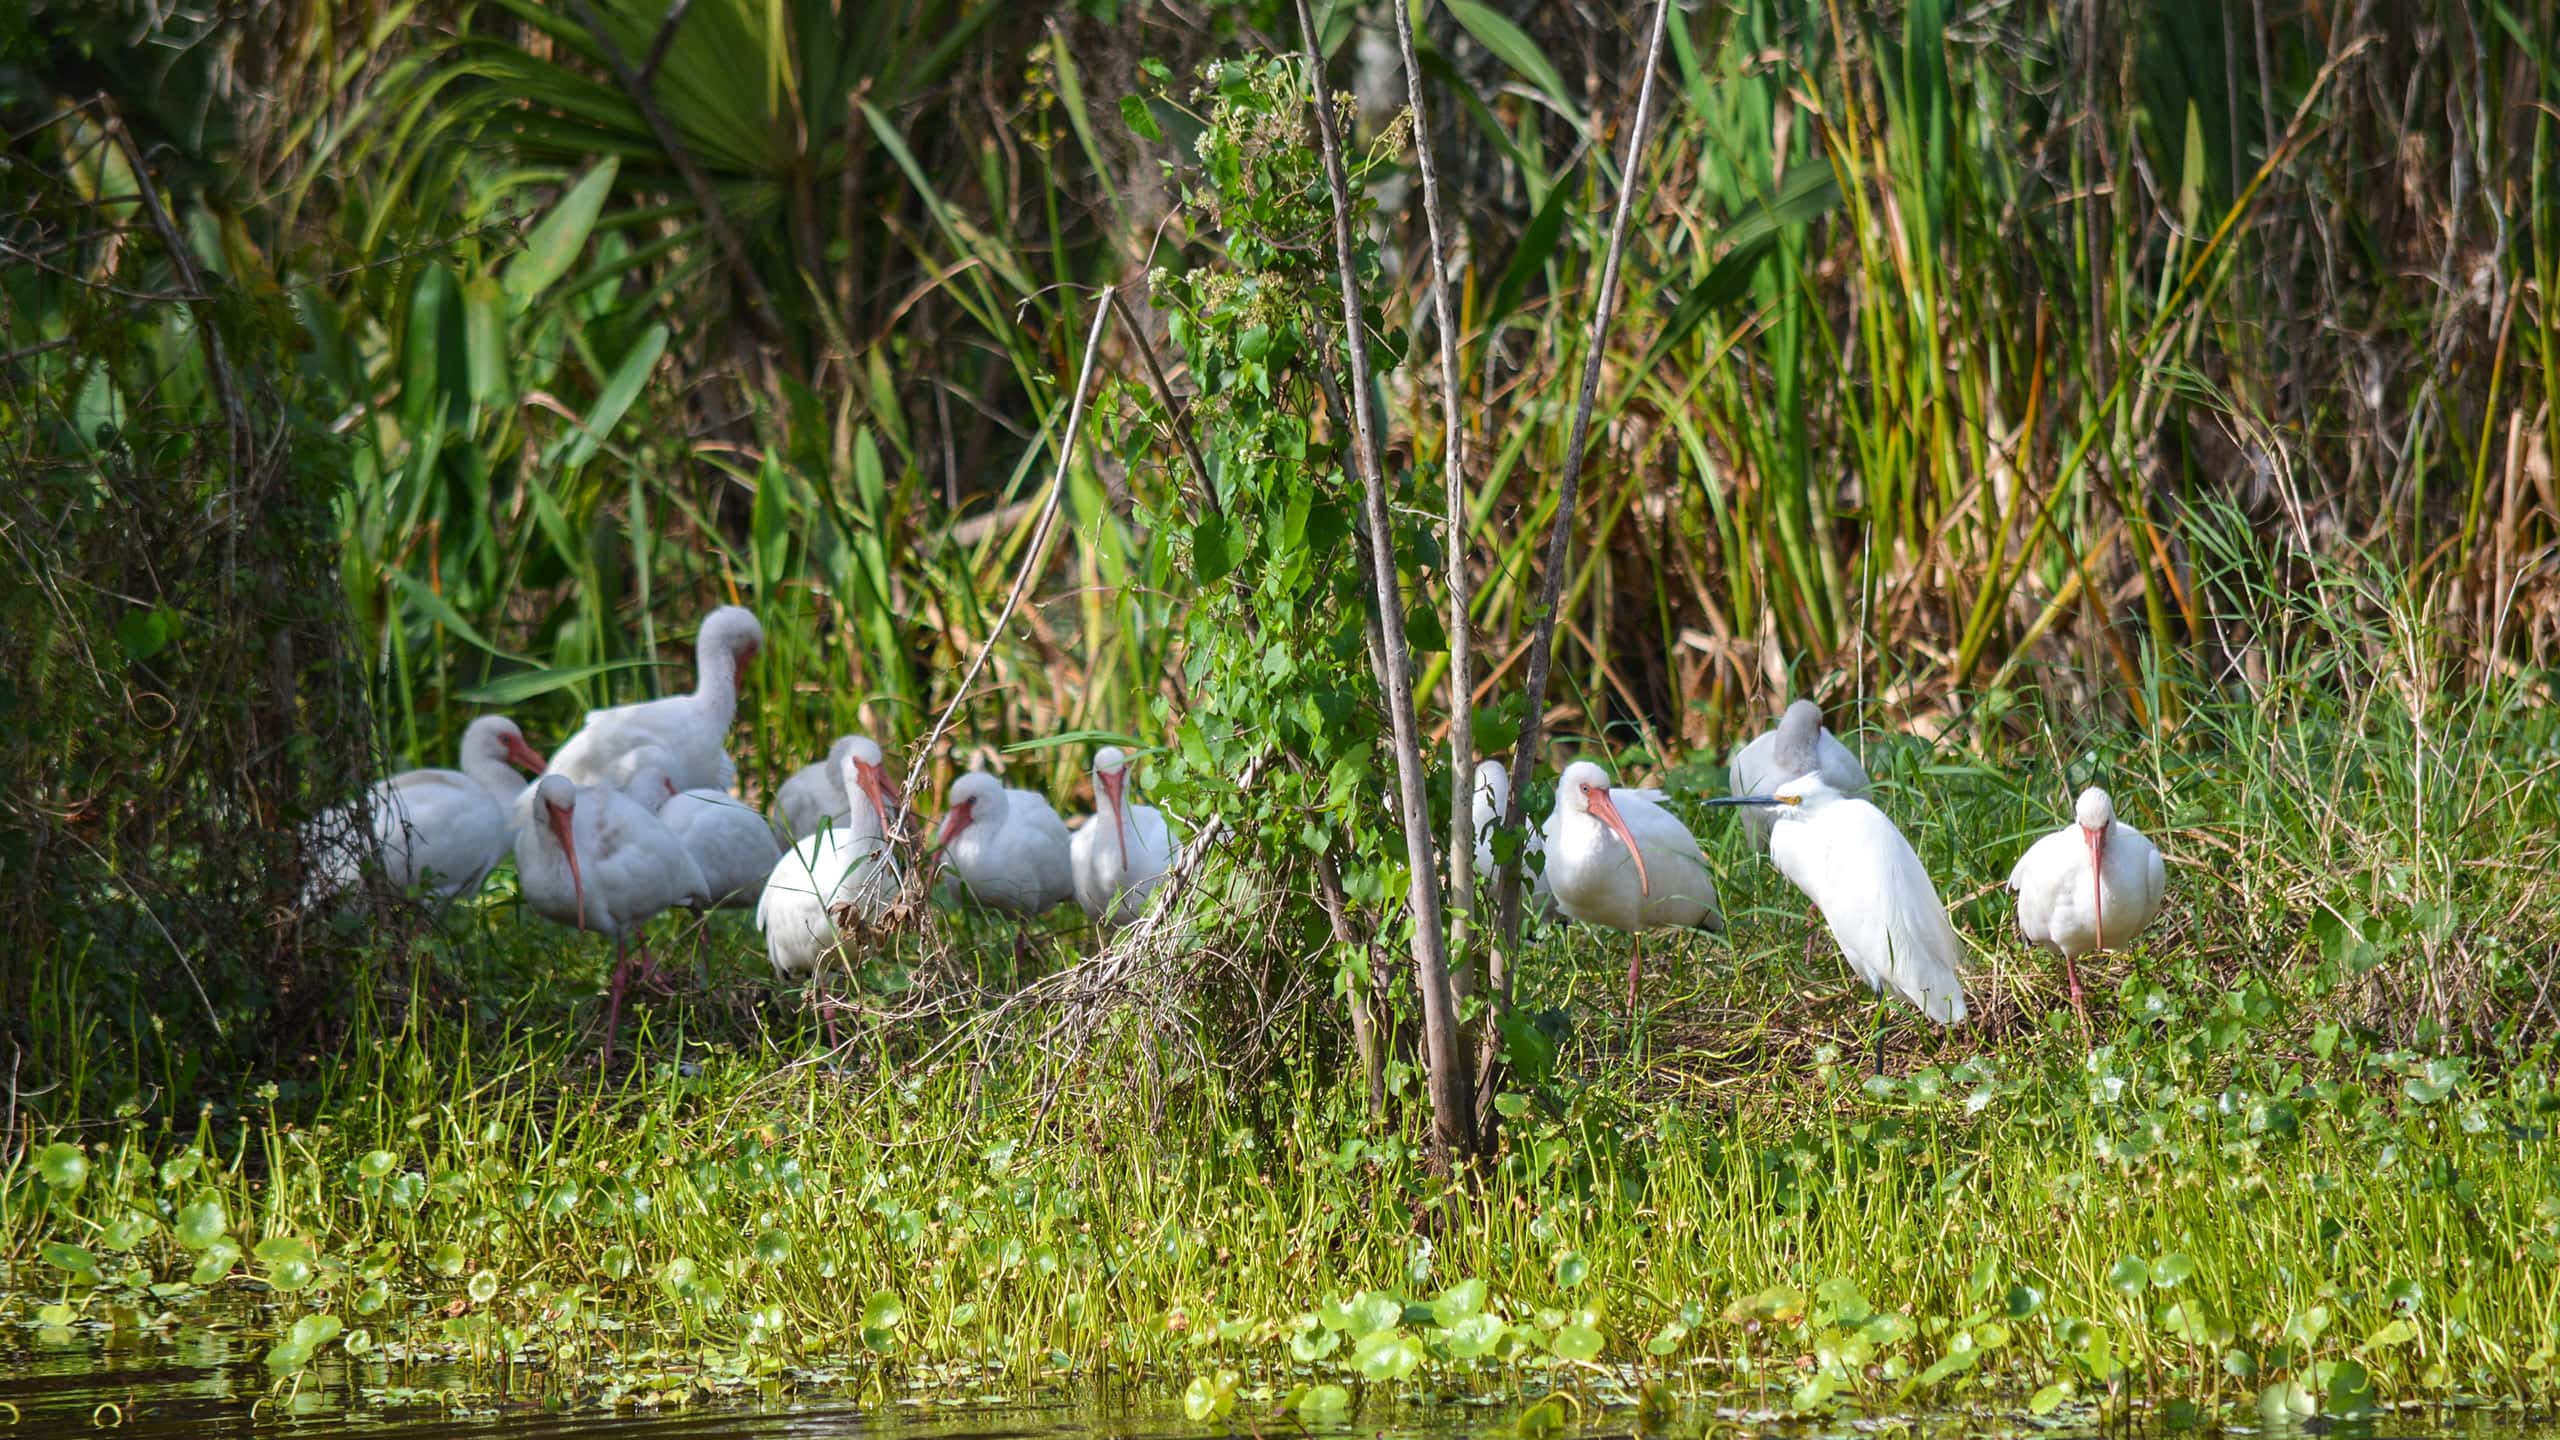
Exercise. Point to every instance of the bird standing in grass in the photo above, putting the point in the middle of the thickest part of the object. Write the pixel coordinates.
(1010, 850)
(691, 728)
(445, 829)
(1616, 858)
(1799, 746)
(840, 879)
(815, 794)
(1123, 852)
(2090, 879)
(598, 860)
(733, 844)
(1873, 892)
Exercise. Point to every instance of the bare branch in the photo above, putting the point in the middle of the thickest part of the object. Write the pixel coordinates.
(1462, 761)
(1039, 532)
(1451, 1078)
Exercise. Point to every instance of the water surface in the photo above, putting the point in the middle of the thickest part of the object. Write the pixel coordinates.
(202, 1381)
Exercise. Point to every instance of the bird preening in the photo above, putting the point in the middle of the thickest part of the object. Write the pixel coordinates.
(637, 814)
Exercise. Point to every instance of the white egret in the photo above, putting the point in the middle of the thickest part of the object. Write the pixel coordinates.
(595, 859)
(1799, 746)
(692, 728)
(1493, 796)
(815, 794)
(1873, 893)
(442, 829)
(2086, 881)
(843, 877)
(1122, 853)
(1616, 858)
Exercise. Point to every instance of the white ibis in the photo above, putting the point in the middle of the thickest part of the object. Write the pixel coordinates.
(692, 728)
(1873, 893)
(2086, 881)
(1122, 853)
(1008, 846)
(829, 882)
(442, 829)
(731, 842)
(815, 794)
(1799, 746)
(1493, 796)
(598, 860)
(1617, 858)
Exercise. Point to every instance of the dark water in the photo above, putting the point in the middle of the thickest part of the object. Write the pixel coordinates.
(202, 1383)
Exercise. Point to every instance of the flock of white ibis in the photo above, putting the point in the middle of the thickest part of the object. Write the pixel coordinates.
(636, 814)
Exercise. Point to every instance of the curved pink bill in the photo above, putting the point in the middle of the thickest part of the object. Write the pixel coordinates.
(560, 829)
(2097, 841)
(1116, 785)
(953, 823)
(523, 756)
(1607, 809)
(877, 786)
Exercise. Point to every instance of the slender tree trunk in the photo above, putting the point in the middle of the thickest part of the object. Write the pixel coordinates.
(1453, 455)
(1451, 1077)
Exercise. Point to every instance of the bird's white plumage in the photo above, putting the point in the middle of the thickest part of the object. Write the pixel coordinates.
(847, 867)
(1008, 847)
(1121, 854)
(815, 794)
(1596, 879)
(1798, 745)
(732, 844)
(2057, 905)
(628, 866)
(441, 829)
(1874, 894)
(692, 728)
(1492, 797)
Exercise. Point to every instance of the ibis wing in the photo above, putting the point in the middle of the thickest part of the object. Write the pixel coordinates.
(2039, 877)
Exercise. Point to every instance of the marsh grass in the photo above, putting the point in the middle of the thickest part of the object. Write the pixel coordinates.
(2281, 1181)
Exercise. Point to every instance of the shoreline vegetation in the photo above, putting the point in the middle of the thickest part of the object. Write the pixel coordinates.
(1310, 400)
(2244, 1204)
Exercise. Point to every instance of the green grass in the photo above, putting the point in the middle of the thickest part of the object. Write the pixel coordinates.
(2277, 1179)
(2195, 1202)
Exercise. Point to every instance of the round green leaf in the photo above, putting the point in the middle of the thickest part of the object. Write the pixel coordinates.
(883, 1311)
(216, 1262)
(74, 1259)
(1323, 1404)
(484, 1287)
(201, 1222)
(773, 1246)
(1578, 1342)
(63, 1167)
(2130, 1275)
